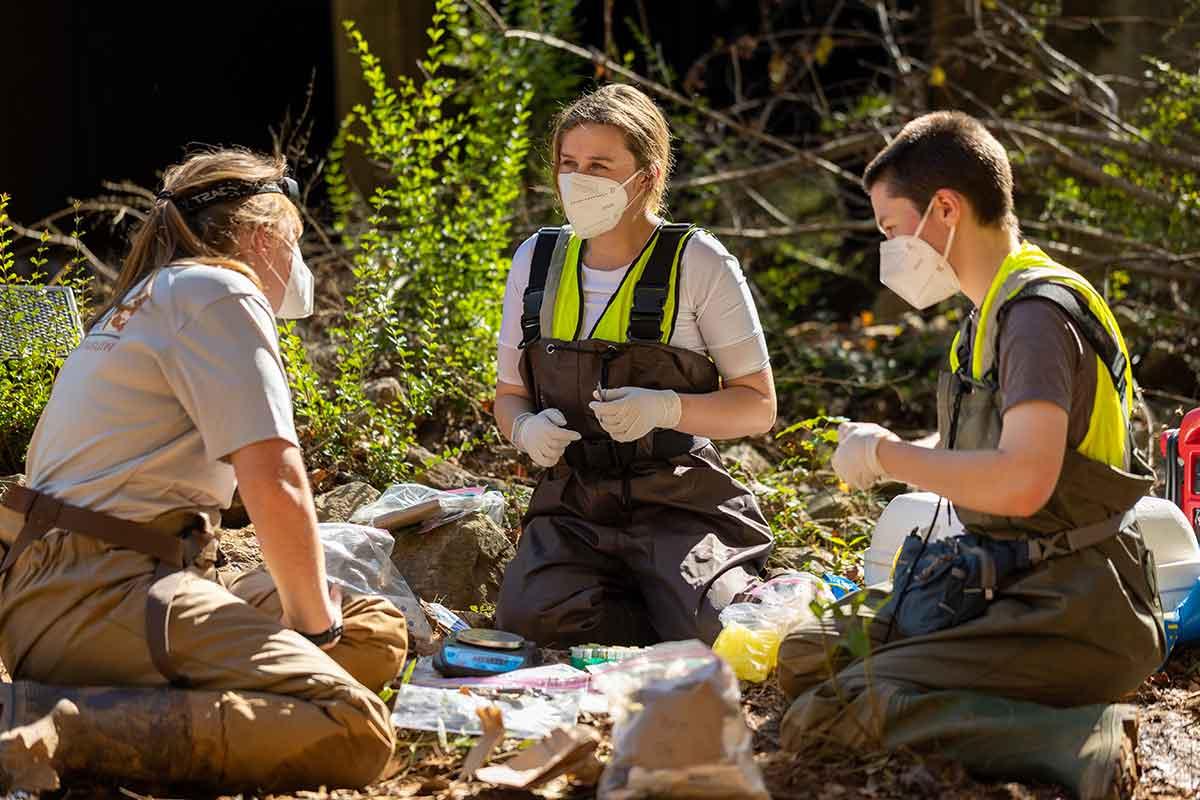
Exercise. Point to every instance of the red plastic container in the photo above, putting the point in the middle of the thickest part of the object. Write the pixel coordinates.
(1188, 444)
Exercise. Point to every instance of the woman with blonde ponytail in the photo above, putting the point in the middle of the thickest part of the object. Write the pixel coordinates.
(177, 395)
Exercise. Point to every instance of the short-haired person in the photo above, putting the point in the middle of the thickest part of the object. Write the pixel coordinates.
(628, 343)
(1005, 647)
(176, 395)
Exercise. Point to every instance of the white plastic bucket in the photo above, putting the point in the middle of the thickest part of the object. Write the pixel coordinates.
(1163, 525)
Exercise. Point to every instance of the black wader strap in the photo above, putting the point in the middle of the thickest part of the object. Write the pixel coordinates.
(539, 269)
(1076, 539)
(650, 294)
(1090, 327)
(43, 514)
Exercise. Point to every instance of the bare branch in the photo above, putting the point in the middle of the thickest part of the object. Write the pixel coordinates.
(1151, 152)
(1109, 110)
(128, 187)
(491, 13)
(796, 230)
(1067, 159)
(768, 206)
(98, 266)
(596, 57)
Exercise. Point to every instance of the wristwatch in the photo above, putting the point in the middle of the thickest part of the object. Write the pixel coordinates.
(326, 637)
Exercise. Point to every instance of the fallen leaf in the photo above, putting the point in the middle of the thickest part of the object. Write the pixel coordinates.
(492, 721)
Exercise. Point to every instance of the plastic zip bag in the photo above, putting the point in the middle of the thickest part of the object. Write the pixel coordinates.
(752, 632)
(678, 729)
(359, 559)
(530, 715)
(405, 504)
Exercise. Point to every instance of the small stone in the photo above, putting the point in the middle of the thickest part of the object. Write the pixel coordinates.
(383, 391)
(829, 505)
(748, 458)
(338, 505)
(437, 472)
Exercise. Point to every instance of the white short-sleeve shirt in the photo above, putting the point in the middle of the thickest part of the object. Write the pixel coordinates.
(717, 316)
(145, 411)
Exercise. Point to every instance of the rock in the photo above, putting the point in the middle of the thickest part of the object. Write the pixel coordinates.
(241, 550)
(811, 558)
(383, 391)
(1165, 368)
(236, 515)
(829, 505)
(339, 504)
(459, 564)
(748, 458)
(437, 472)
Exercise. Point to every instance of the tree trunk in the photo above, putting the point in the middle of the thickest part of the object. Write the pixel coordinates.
(395, 29)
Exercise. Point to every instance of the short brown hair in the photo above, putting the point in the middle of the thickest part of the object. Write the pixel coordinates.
(947, 150)
(647, 134)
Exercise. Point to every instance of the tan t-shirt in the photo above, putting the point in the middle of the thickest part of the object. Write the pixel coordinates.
(1043, 357)
(145, 410)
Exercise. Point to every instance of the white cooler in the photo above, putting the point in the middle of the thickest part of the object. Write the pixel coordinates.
(1164, 527)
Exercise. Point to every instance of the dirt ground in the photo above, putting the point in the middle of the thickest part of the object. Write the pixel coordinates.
(1168, 751)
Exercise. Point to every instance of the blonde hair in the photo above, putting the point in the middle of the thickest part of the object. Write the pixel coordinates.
(647, 134)
(209, 235)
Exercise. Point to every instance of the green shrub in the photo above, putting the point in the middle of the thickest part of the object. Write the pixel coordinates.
(430, 255)
(27, 378)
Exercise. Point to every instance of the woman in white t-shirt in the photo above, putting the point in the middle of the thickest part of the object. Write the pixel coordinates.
(628, 343)
(177, 395)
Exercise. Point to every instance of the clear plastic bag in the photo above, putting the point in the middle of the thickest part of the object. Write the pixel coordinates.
(659, 701)
(530, 715)
(449, 504)
(359, 558)
(752, 632)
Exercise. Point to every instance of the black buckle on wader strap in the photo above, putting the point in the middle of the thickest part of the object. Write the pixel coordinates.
(535, 290)
(650, 293)
(1070, 541)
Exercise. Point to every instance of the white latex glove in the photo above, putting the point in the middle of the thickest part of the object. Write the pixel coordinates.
(856, 460)
(543, 436)
(629, 413)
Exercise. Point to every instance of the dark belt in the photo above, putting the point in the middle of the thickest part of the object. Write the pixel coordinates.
(43, 514)
(606, 455)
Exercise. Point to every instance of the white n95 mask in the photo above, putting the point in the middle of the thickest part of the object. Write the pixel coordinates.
(913, 269)
(298, 292)
(593, 204)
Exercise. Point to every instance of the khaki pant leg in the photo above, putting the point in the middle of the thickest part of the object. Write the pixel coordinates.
(74, 614)
(374, 643)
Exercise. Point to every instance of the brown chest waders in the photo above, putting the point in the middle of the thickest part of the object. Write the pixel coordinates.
(1022, 691)
(626, 542)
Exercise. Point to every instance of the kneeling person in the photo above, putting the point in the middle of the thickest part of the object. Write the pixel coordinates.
(1012, 674)
(177, 395)
(628, 343)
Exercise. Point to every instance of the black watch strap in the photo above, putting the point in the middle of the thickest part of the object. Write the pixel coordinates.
(321, 639)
